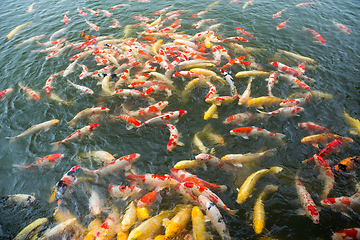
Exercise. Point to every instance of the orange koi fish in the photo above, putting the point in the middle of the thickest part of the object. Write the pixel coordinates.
(5, 92)
(245, 132)
(281, 25)
(313, 127)
(346, 165)
(316, 35)
(278, 13)
(48, 161)
(87, 36)
(31, 93)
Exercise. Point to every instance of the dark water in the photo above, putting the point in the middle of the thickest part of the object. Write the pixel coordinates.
(336, 73)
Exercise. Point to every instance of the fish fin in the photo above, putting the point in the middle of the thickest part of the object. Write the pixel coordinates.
(212, 151)
(56, 145)
(232, 212)
(245, 137)
(300, 211)
(223, 188)
(20, 167)
(180, 143)
(315, 145)
(12, 139)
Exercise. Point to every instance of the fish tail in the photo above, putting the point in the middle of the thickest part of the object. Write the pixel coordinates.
(232, 212)
(12, 139)
(56, 145)
(20, 167)
(223, 188)
(88, 171)
(276, 169)
(280, 135)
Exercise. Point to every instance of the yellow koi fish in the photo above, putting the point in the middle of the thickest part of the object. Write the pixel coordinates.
(249, 184)
(354, 123)
(31, 230)
(211, 112)
(260, 102)
(178, 222)
(15, 30)
(184, 164)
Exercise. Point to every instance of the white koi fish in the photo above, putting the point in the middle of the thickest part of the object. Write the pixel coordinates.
(245, 132)
(88, 112)
(30, 40)
(174, 137)
(83, 89)
(166, 117)
(15, 30)
(70, 68)
(57, 33)
(246, 95)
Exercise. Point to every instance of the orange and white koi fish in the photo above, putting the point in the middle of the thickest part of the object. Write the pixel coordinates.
(132, 93)
(319, 138)
(313, 127)
(342, 27)
(5, 92)
(218, 100)
(184, 176)
(307, 202)
(243, 32)
(349, 233)
(235, 39)
(316, 35)
(149, 199)
(306, 4)
(30, 40)
(278, 13)
(93, 26)
(105, 12)
(166, 117)
(116, 24)
(162, 11)
(284, 111)
(65, 18)
(123, 192)
(119, 5)
(295, 102)
(281, 25)
(67, 180)
(296, 83)
(259, 212)
(174, 137)
(15, 30)
(203, 22)
(155, 181)
(233, 62)
(214, 161)
(234, 1)
(346, 165)
(131, 121)
(54, 42)
(149, 112)
(57, 52)
(271, 81)
(244, 98)
(288, 70)
(326, 174)
(78, 134)
(35, 129)
(248, 158)
(215, 217)
(81, 12)
(83, 89)
(242, 118)
(245, 132)
(199, 14)
(247, 4)
(31, 93)
(45, 162)
(50, 49)
(87, 112)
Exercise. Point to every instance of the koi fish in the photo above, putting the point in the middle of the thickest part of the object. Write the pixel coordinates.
(119, 5)
(199, 14)
(248, 158)
(252, 73)
(203, 22)
(105, 12)
(296, 83)
(78, 134)
(131, 121)
(326, 175)
(263, 101)
(249, 184)
(87, 36)
(354, 123)
(241, 118)
(342, 27)
(174, 137)
(45, 162)
(87, 112)
(81, 12)
(166, 117)
(108, 228)
(296, 102)
(349, 233)
(35, 129)
(178, 222)
(271, 81)
(184, 164)
(115, 166)
(100, 157)
(215, 217)
(63, 228)
(129, 218)
(343, 204)
(316, 35)
(15, 30)
(149, 198)
(307, 203)
(245, 132)
(149, 112)
(313, 127)
(259, 212)
(123, 192)
(243, 32)
(93, 26)
(66, 19)
(278, 13)
(297, 56)
(54, 42)
(162, 11)
(5, 92)
(95, 203)
(245, 97)
(67, 180)
(214, 161)
(30, 40)
(247, 3)
(31, 230)
(83, 89)
(31, 93)
(281, 25)
(346, 165)
(319, 138)
(211, 112)
(24, 200)
(284, 111)
(305, 4)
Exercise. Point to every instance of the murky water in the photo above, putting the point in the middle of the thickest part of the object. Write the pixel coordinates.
(336, 73)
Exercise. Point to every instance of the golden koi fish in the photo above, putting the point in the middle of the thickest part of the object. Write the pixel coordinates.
(15, 30)
(354, 123)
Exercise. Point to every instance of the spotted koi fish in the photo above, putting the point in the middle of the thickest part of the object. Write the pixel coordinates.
(48, 161)
(131, 121)
(108, 228)
(174, 137)
(307, 203)
(87, 37)
(296, 102)
(49, 82)
(242, 118)
(235, 39)
(5, 92)
(313, 127)
(67, 180)
(318, 37)
(246, 95)
(115, 166)
(149, 198)
(93, 26)
(203, 22)
(284, 112)
(281, 25)
(343, 204)
(87, 112)
(123, 192)
(278, 13)
(214, 161)
(349, 233)
(24, 200)
(271, 81)
(346, 165)
(326, 174)
(83, 89)
(129, 218)
(155, 181)
(149, 112)
(81, 12)
(286, 69)
(31, 93)
(245, 132)
(78, 134)
(166, 117)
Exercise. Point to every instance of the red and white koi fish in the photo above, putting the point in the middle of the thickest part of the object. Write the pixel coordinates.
(234, 1)
(246, 95)
(174, 137)
(188, 74)
(81, 12)
(203, 22)
(105, 12)
(5, 92)
(57, 52)
(123, 192)
(305, 4)
(250, 64)
(242, 118)
(50, 49)
(67, 180)
(93, 12)
(162, 11)
(104, 70)
(296, 102)
(326, 174)
(158, 88)
(45, 162)
(201, 190)
(119, 5)
(245, 132)
(149, 112)
(132, 93)
(85, 72)
(101, 61)
(307, 203)
(343, 204)
(78, 134)
(214, 161)
(115, 166)
(215, 217)
(155, 181)
(166, 117)
(218, 100)
(286, 69)
(70, 68)
(81, 55)
(316, 35)
(149, 198)
(297, 83)
(116, 24)
(107, 229)
(30, 40)
(54, 42)
(184, 176)
(243, 32)
(32, 94)
(271, 81)
(349, 233)
(141, 18)
(57, 33)
(83, 89)
(281, 25)
(342, 27)
(284, 111)
(35, 129)
(278, 13)
(235, 39)
(199, 14)
(87, 112)
(234, 61)
(313, 127)
(93, 26)
(131, 121)
(66, 19)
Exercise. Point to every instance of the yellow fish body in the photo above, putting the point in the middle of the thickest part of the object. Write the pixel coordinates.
(178, 222)
(15, 30)
(354, 123)
(31, 230)
(260, 102)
